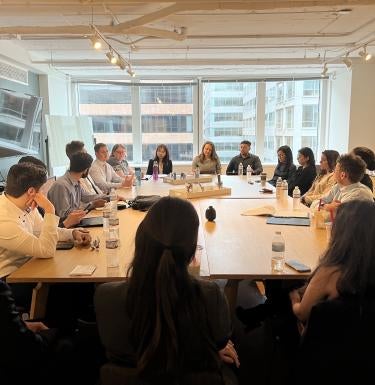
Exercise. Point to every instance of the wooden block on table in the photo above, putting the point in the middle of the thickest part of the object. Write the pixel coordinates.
(208, 191)
(201, 179)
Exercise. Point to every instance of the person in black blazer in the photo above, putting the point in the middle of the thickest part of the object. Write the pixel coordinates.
(162, 157)
(306, 173)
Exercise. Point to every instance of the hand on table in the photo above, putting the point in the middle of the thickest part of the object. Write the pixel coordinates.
(81, 237)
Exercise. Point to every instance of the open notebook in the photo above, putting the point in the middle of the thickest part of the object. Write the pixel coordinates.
(271, 211)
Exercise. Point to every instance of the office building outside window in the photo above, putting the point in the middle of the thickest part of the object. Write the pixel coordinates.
(167, 117)
(110, 109)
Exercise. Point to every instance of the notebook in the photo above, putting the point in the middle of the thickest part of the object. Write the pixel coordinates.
(288, 221)
(91, 222)
(271, 211)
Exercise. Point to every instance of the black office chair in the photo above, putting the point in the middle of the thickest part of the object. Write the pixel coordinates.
(338, 343)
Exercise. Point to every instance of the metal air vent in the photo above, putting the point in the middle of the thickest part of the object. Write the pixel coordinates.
(13, 73)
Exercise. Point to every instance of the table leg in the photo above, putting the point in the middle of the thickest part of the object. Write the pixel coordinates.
(230, 291)
(39, 301)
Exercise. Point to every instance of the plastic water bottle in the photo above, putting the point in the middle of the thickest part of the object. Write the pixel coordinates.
(284, 188)
(279, 187)
(197, 172)
(278, 252)
(296, 198)
(240, 169)
(106, 216)
(111, 246)
(155, 171)
(249, 171)
(113, 200)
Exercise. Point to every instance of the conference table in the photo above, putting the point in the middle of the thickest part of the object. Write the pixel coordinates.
(233, 247)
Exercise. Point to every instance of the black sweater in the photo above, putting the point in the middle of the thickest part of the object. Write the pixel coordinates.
(303, 179)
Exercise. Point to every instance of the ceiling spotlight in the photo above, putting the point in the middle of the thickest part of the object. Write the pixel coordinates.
(111, 57)
(346, 60)
(96, 42)
(324, 71)
(121, 63)
(130, 72)
(364, 54)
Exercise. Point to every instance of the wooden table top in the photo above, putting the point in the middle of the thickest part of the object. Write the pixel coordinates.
(234, 246)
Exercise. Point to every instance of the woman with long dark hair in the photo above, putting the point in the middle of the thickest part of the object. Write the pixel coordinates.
(306, 173)
(285, 168)
(162, 158)
(324, 180)
(207, 161)
(348, 266)
(164, 322)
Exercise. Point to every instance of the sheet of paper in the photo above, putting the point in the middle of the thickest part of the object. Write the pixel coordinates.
(83, 270)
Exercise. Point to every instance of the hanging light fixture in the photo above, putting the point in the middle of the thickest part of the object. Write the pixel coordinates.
(366, 56)
(347, 61)
(324, 71)
(96, 42)
(113, 55)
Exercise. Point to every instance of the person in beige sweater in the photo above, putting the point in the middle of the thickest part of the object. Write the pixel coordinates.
(325, 180)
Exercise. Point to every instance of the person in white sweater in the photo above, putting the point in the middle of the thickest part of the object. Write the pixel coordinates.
(23, 232)
(103, 173)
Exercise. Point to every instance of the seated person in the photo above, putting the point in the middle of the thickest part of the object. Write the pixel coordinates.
(23, 232)
(68, 196)
(87, 183)
(325, 180)
(33, 353)
(306, 173)
(368, 157)
(348, 266)
(118, 161)
(246, 159)
(348, 172)
(162, 157)
(162, 320)
(207, 161)
(285, 168)
(103, 174)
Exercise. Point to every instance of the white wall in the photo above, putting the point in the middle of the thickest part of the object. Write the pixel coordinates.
(339, 111)
(362, 107)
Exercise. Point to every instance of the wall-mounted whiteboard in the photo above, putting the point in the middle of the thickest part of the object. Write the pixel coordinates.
(62, 130)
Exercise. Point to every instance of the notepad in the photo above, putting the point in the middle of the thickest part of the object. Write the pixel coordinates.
(288, 221)
(269, 210)
(83, 270)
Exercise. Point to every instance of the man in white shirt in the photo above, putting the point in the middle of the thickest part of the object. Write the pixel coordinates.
(348, 172)
(23, 232)
(103, 174)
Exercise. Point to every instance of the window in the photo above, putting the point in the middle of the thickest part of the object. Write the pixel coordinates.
(310, 115)
(289, 122)
(166, 113)
(311, 87)
(111, 111)
(167, 117)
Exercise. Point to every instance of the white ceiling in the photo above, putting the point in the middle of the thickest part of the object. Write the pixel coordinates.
(189, 37)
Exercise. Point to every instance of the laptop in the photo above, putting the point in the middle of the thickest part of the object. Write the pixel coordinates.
(91, 222)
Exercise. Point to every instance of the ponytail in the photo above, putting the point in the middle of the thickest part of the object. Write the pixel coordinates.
(164, 335)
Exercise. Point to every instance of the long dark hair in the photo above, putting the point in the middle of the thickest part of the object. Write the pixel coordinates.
(331, 156)
(288, 154)
(169, 329)
(352, 249)
(166, 158)
(308, 152)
